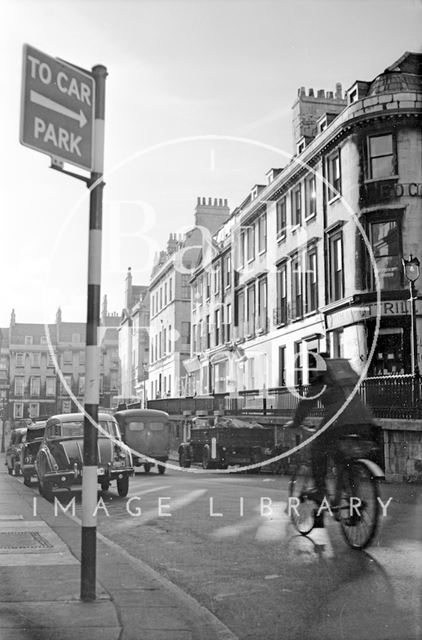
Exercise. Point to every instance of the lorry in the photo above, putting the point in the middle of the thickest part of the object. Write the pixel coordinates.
(222, 441)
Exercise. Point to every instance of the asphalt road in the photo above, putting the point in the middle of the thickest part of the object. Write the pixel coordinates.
(208, 534)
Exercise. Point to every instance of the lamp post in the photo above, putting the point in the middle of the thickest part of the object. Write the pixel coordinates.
(412, 272)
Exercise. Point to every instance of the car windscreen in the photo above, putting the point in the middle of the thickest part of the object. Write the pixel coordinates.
(76, 429)
(139, 425)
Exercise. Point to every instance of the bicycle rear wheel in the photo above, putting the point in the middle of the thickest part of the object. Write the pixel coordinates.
(301, 508)
(359, 507)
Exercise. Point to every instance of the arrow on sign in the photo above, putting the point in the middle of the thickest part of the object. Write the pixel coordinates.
(41, 100)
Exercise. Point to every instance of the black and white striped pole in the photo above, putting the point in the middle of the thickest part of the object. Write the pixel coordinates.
(92, 372)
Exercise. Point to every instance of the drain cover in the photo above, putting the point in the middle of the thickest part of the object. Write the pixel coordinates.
(23, 540)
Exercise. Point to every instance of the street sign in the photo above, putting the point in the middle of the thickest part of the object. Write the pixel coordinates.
(57, 112)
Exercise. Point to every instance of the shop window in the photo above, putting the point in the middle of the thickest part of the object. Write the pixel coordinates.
(334, 175)
(381, 157)
(281, 216)
(29, 339)
(388, 357)
(67, 406)
(385, 237)
(336, 280)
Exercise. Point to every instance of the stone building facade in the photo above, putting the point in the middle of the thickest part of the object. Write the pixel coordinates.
(316, 253)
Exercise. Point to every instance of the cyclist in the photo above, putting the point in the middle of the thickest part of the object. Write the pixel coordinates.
(332, 381)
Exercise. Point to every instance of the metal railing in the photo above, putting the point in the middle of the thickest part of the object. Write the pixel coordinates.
(388, 397)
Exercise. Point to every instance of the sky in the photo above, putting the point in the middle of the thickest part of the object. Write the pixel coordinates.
(198, 103)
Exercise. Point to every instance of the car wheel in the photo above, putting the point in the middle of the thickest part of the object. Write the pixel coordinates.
(9, 471)
(183, 460)
(27, 480)
(45, 490)
(161, 469)
(105, 486)
(123, 486)
(147, 467)
(206, 458)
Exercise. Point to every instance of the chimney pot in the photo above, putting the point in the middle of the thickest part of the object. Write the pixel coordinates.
(311, 93)
(330, 95)
(321, 93)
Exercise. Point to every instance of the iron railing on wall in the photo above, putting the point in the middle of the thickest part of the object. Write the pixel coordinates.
(389, 397)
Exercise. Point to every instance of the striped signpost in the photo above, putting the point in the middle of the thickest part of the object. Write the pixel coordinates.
(62, 116)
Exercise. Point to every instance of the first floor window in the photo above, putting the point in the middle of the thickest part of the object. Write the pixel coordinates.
(385, 237)
(67, 406)
(34, 410)
(228, 322)
(81, 385)
(35, 386)
(262, 233)
(262, 304)
(296, 287)
(334, 175)
(280, 312)
(251, 309)
(20, 359)
(310, 187)
(296, 202)
(311, 303)
(50, 387)
(19, 386)
(281, 215)
(336, 284)
(18, 410)
(240, 314)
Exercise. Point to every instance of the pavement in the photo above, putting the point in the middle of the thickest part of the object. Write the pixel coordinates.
(40, 582)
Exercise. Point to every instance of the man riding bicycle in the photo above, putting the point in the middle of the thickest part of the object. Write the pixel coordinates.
(333, 383)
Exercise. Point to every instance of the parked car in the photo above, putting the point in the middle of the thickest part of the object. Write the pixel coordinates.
(13, 453)
(146, 432)
(59, 459)
(29, 450)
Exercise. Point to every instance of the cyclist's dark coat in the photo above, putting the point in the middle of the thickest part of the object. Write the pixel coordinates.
(334, 388)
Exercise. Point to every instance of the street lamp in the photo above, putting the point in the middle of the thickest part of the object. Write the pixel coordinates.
(412, 272)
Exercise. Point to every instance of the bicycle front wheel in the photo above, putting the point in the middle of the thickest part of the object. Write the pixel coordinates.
(359, 507)
(301, 508)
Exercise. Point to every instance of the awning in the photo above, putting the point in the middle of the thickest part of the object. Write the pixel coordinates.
(192, 364)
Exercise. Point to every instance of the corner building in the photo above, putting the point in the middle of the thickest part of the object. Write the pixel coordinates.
(306, 247)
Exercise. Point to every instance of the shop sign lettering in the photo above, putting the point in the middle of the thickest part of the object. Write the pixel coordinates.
(374, 191)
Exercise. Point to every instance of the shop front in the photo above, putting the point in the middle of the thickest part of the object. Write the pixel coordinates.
(355, 329)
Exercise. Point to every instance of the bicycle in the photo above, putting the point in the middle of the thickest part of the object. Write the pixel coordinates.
(352, 493)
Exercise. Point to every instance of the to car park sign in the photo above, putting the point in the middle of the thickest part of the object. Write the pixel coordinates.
(57, 112)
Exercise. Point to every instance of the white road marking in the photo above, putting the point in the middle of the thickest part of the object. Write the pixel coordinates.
(168, 507)
(145, 491)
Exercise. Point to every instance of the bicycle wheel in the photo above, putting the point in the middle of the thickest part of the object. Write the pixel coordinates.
(301, 508)
(359, 506)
